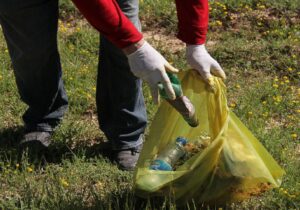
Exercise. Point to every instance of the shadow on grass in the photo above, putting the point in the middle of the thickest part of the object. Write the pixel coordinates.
(9, 141)
(57, 151)
(10, 137)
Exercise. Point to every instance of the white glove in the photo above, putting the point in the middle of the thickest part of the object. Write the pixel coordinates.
(199, 59)
(149, 65)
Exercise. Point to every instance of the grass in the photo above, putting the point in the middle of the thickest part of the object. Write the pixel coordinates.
(256, 42)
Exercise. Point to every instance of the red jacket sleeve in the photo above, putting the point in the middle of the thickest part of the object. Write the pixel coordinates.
(192, 20)
(107, 17)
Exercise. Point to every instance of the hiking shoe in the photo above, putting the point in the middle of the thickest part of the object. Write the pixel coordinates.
(127, 159)
(41, 137)
(35, 144)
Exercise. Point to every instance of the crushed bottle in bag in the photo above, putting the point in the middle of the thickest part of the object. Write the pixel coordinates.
(167, 158)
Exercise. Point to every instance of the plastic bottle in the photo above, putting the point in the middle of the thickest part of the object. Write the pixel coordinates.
(182, 104)
(170, 155)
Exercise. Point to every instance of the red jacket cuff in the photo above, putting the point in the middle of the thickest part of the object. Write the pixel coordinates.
(107, 17)
(192, 20)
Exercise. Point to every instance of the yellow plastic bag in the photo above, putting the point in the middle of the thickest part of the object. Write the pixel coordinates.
(233, 166)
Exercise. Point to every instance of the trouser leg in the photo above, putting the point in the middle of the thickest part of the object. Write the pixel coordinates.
(31, 34)
(120, 102)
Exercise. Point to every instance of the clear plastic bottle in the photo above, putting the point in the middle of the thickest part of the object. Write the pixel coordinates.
(170, 155)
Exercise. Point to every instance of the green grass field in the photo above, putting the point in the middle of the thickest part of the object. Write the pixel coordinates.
(256, 41)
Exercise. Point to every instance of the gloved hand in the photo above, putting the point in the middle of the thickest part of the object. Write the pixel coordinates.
(149, 65)
(199, 59)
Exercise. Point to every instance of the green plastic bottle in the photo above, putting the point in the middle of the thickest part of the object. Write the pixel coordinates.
(175, 84)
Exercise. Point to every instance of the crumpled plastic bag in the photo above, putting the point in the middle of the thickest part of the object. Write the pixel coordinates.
(233, 166)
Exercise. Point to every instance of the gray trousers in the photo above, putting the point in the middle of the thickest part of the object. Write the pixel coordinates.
(30, 30)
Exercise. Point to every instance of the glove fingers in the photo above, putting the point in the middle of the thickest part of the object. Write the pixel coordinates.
(155, 93)
(205, 75)
(218, 71)
(168, 86)
(170, 68)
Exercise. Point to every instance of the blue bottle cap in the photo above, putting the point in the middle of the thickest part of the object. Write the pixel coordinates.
(161, 165)
(181, 140)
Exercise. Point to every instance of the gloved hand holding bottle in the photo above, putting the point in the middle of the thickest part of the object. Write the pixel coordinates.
(149, 65)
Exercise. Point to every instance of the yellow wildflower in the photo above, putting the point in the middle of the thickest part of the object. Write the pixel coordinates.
(29, 169)
(261, 7)
(277, 98)
(219, 23)
(232, 105)
(64, 182)
(294, 135)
